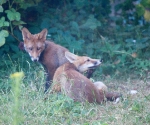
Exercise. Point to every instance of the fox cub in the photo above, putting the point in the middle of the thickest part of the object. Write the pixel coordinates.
(49, 54)
(72, 83)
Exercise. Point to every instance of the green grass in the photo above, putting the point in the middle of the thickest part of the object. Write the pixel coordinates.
(57, 109)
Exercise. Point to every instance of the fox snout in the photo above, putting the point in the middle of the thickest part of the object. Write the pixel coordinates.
(34, 58)
(98, 62)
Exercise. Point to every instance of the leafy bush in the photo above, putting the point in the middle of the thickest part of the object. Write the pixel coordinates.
(10, 23)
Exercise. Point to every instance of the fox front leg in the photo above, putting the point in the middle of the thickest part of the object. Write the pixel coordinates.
(47, 83)
(49, 77)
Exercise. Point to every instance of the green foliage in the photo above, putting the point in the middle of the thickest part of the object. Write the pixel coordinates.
(140, 10)
(84, 29)
(143, 9)
(3, 23)
(128, 52)
(91, 23)
(69, 30)
(10, 23)
(3, 34)
(80, 31)
(12, 14)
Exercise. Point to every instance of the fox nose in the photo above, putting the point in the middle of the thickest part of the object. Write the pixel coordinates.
(95, 63)
(35, 60)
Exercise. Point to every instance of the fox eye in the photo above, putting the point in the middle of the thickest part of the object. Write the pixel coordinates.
(88, 60)
(38, 48)
(30, 48)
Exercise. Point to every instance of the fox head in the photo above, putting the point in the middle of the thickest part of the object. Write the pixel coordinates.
(82, 63)
(34, 44)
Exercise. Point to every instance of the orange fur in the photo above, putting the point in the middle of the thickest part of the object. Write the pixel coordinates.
(49, 54)
(77, 86)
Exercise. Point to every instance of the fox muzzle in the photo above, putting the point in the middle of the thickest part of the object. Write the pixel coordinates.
(35, 59)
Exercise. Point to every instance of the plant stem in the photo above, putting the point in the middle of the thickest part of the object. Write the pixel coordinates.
(14, 36)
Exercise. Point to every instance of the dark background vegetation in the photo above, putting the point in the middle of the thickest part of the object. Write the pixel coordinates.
(116, 31)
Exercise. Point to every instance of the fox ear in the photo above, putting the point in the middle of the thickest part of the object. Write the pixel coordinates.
(70, 56)
(43, 34)
(25, 33)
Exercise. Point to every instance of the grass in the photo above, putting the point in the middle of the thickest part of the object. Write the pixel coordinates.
(57, 109)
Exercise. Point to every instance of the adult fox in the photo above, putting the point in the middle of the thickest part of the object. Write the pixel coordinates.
(75, 85)
(49, 54)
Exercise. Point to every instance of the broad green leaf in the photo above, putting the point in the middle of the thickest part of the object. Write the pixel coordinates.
(18, 23)
(3, 34)
(2, 18)
(17, 15)
(2, 1)
(91, 23)
(129, 40)
(2, 41)
(3, 22)
(140, 10)
(29, 3)
(1, 9)
(25, 5)
(14, 48)
(116, 47)
(6, 23)
(13, 15)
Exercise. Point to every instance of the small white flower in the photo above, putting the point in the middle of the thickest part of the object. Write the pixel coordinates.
(134, 41)
(133, 92)
(116, 101)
